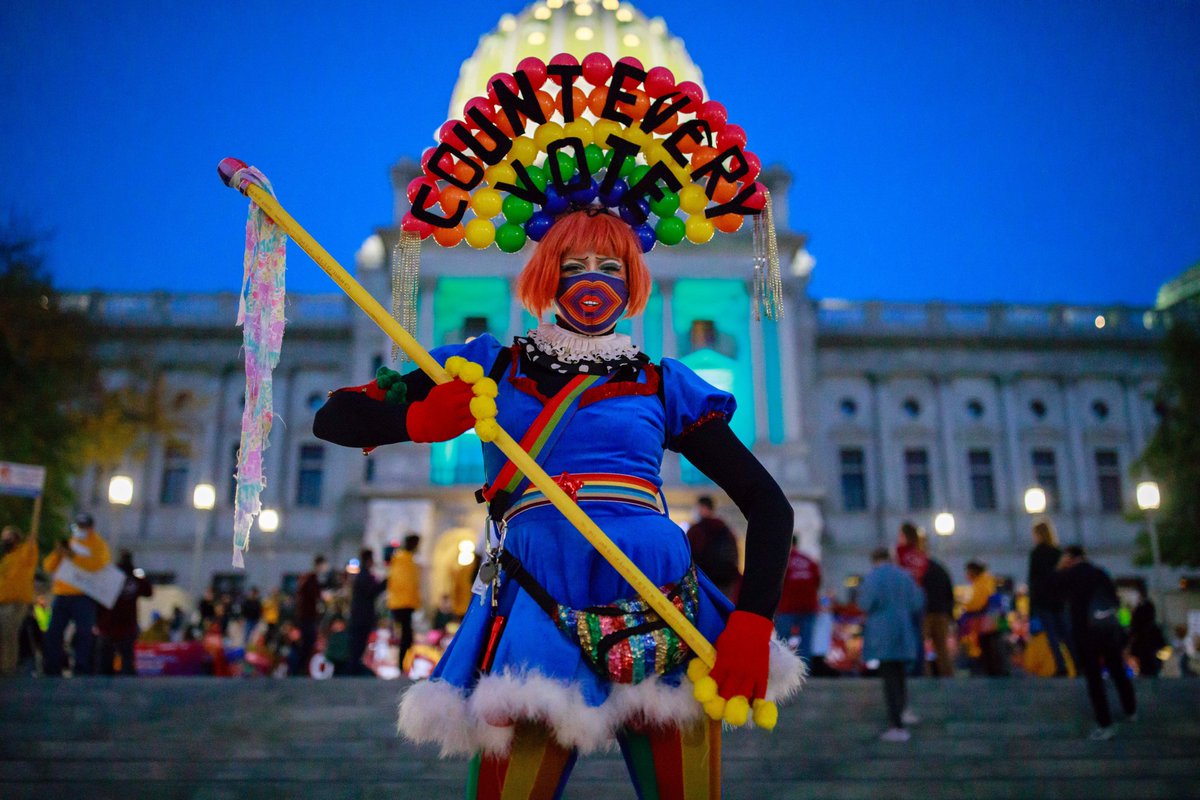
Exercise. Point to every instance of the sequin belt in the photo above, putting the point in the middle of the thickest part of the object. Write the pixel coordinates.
(592, 487)
(625, 642)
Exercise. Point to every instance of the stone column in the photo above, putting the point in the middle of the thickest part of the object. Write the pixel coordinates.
(1077, 456)
(788, 330)
(666, 288)
(878, 458)
(1013, 501)
(953, 498)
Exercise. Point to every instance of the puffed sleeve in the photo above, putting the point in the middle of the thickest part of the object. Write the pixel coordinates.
(690, 401)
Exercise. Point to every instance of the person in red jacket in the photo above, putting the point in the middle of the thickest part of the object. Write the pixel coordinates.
(118, 626)
(799, 603)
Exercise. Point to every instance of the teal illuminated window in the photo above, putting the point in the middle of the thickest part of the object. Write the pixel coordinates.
(466, 307)
(457, 461)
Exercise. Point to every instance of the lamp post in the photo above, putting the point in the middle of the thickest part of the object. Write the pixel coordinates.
(1148, 500)
(120, 496)
(1035, 500)
(204, 497)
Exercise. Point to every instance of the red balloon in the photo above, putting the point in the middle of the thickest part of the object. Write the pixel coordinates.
(758, 200)
(693, 91)
(754, 165)
(560, 59)
(535, 69)
(446, 134)
(731, 135)
(447, 161)
(597, 68)
(415, 185)
(503, 77)
(659, 81)
(631, 61)
(481, 103)
(714, 114)
(413, 225)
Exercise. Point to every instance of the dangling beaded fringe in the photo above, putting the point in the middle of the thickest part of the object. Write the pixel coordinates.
(406, 280)
(768, 285)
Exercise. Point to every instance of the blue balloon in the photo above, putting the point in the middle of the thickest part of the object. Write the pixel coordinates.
(632, 216)
(555, 203)
(538, 225)
(612, 198)
(585, 195)
(646, 235)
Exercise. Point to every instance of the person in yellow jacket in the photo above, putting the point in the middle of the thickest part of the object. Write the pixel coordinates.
(985, 614)
(404, 590)
(89, 552)
(18, 562)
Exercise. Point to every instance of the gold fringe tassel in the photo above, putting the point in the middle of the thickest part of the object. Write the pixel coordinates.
(406, 282)
(768, 284)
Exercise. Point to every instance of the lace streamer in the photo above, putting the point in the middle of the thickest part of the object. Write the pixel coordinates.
(406, 280)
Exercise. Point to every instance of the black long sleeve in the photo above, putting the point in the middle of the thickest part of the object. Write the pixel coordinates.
(352, 419)
(719, 454)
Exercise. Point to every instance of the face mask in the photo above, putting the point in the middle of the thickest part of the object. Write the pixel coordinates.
(591, 302)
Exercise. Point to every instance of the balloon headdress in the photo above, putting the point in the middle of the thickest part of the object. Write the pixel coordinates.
(550, 138)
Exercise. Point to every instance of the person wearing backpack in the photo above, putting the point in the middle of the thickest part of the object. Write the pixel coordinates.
(1091, 600)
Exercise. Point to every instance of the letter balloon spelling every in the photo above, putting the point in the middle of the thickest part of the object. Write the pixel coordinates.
(559, 655)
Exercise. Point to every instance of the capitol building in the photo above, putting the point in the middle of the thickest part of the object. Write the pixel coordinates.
(868, 413)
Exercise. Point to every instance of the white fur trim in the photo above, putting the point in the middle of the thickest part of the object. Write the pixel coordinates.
(435, 711)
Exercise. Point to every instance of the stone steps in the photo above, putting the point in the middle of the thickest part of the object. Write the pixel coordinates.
(262, 739)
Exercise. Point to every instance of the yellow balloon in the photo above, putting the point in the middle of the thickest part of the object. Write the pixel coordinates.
(486, 203)
(699, 229)
(546, 133)
(636, 135)
(479, 233)
(692, 199)
(500, 173)
(602, 129)
(580, 129)
(524, 150)
(655, 152)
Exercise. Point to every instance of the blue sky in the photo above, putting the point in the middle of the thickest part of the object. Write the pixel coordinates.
(956, 149)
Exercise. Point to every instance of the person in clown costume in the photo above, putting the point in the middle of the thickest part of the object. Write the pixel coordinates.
(558, 656)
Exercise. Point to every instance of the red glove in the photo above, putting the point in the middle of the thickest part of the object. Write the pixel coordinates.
(444, 413)
(743, 656)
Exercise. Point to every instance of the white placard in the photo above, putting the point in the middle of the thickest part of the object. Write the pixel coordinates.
(103, 585)
(25, 480)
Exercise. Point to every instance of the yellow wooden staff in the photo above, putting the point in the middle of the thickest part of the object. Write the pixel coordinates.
(736, 710)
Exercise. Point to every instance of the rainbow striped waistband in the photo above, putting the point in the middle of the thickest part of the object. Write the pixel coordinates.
(593, 487)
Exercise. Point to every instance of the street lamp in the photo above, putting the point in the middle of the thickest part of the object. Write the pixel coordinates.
(1035, 500)
(1148, 500)
(204, 497)
(120, 495)
(943, 524)
(268, 520)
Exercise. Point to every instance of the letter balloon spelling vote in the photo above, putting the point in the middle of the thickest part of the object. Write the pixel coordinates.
(574, 642)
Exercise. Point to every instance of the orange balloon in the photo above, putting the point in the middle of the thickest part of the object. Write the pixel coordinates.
(702, 156)
(640, 105)
(504, 125)
(726, 223)
(546, 101)
(465, 172)
(725, 191)
(668, 125)
(448, 237)
(596, 99)
(451, 197)
(687, 145)
(578, 100)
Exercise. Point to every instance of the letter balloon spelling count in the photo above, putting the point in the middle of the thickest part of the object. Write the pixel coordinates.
(575, 641)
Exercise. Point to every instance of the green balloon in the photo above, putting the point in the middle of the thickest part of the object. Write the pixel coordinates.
(627, 168)
(595, 158)
(670, 230)
(517, 209)
(667, 206)
(538, 176)
(566, 165)
(637, 172)
(510, 237)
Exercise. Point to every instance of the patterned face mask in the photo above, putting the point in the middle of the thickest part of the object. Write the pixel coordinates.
(592, 302)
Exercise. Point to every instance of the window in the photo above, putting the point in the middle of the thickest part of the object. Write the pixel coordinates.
(309, 476)
(916, 477)
(176, 463)
(1100, 410)
(848, 408)
(702, 335)
(1045, 475)
(975, 408)
(1108, 476)
(983, 480)
(911, 407)
(474, 327)
(1038, 409)
(854, 479)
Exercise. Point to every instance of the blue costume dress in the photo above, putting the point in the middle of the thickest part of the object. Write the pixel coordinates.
(536, 672)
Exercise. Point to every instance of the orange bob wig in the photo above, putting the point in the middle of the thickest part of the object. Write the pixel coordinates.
(575, 234)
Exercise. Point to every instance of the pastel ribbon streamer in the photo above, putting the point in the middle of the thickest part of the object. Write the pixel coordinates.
(260, 313)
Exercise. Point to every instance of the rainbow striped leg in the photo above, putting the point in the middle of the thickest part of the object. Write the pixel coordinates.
(536, 768)
(674, 763)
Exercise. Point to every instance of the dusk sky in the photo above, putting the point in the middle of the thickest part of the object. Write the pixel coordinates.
(967, 150)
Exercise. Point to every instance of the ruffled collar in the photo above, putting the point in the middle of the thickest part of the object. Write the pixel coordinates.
(562, 350)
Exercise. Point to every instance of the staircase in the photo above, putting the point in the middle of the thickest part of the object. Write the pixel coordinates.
(176, 738)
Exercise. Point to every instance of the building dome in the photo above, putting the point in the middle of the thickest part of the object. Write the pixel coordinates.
(1184, 289)
(549, 27)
